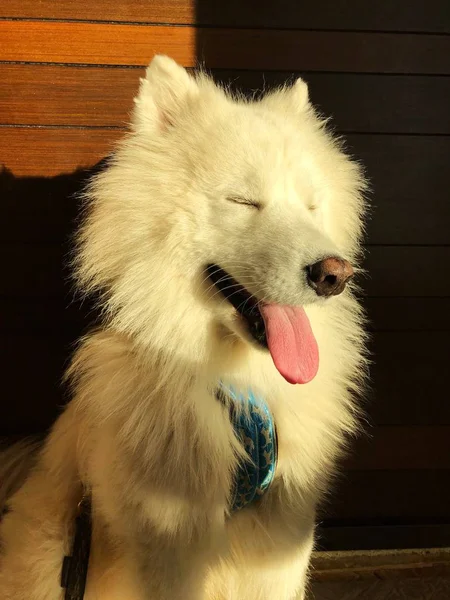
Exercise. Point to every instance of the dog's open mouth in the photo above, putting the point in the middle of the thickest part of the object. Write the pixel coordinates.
(284, 330)
(245, 303)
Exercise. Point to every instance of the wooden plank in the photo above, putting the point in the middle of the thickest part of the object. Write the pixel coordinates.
(405, 446)
(436, 585)
(359, 495)
(398, 398)
(401, 447)
(422, 161)
(420, 191)
(409, 366)
(413, 314)
(31, 369)
(94, 43)
(156, 11)
(42, 209)
(47, 304)
(382, 496)
(46, 313)
(394, 271)
(50, 315)
(61, 95)
(392, 536)
(362, 102)
(34, 270)
(403, 15)
(29, 151)
(323, 51)
(381, 564)
(407, 271)
(383, 104)
(409, 378)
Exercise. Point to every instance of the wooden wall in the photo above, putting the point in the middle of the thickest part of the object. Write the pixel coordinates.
(68, 73)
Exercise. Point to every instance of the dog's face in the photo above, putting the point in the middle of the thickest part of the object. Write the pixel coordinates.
(250, 201)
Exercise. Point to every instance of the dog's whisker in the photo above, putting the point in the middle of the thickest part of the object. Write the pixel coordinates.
(225, 289)
(242, 269)
(226, 277)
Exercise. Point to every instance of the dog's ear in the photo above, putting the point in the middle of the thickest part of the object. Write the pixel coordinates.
(300, 94)
(293, 98)
(163, 92)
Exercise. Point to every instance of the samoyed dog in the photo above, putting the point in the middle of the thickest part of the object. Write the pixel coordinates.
(222, 238)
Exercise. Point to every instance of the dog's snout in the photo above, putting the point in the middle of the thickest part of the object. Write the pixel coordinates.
(329, 276)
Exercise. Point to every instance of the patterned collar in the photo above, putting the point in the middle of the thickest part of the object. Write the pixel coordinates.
(255, 427)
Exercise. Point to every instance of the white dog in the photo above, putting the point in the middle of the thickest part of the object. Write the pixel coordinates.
(220, 237)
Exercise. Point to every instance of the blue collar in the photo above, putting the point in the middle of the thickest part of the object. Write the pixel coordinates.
(255, 428)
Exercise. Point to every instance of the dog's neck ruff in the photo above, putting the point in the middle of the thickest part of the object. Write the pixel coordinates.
(254, 426)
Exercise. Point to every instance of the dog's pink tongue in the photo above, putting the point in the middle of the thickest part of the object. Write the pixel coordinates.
(291, 342)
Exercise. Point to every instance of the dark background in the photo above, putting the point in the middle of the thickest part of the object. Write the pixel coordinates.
(68, 73)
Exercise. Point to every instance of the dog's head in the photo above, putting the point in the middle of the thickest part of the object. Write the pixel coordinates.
(221, 213)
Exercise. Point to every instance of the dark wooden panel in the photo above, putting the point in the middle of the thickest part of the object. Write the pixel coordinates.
(382, 565)
(41, 209)
(407, 271)
(27, 151)
(421, 161)
(381, 448)
(382, 537)
(61, 95)
(93, 43)
(409, 182)
(385, 495)
(383, 104)
(401, 447)
(403, 15)
(38, 209)
(413, 314)
(394, 271)
(363, 102)
(32, 270)
(31, 374)
(323, 51)
(410, 378)
(47, 313)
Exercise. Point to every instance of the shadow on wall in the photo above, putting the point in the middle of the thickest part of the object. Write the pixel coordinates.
(41, 318)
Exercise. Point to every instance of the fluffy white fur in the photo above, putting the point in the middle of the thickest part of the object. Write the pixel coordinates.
(143, 432)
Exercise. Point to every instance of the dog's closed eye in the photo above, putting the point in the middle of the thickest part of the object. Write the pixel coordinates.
(245, 201)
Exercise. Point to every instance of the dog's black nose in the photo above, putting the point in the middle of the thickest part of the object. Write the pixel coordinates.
(329, 276)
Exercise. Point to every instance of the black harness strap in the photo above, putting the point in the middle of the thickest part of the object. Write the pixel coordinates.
(75, 567)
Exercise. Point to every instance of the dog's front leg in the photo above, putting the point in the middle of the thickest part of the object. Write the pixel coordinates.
(164, 536)
(172, 556)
